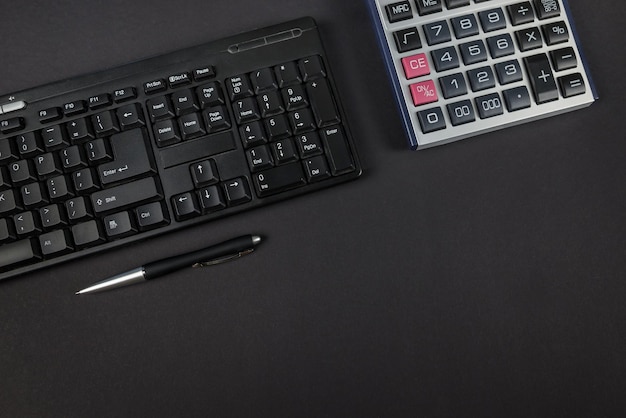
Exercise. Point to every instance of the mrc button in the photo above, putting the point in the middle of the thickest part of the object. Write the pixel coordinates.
(399, 11)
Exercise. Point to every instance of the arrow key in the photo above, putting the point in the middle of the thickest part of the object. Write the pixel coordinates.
(211, 199)
(204, 173)
(130, 116)
(185, 206)
(237, 191)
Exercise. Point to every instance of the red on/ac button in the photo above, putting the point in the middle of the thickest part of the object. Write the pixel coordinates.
(415, 66)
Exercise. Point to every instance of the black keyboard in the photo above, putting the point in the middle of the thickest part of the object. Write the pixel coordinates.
(102, 160)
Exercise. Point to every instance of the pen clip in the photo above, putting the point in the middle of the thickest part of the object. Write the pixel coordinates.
(222, 259)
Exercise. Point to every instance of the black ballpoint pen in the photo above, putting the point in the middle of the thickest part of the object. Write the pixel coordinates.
(225, 251)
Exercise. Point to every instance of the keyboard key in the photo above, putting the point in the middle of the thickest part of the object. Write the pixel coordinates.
(131, 158)
(489, 106)
(28, 144)
(180, 79)
(431, 120)
(130, 116)
(74, 108)
(429, 6)
(517, 98)
(521, 13)
(547, 8)
(501, 45)
(541, 78)
(445, 59)
(216, 119)
(150, 216)
(453, 85)
(453, 4)
(11, 125)
(283, 151)
(86, 234)
(125, 195)
(125, 94)
(184, 102)
(563, 59)
(55, 243)
(24, 224)
(407, 40)
(237, 191)
(210, 94)
(31, 195)
(263, 80)
(104, 124)
(7, 201)
(481, 78)
(287, 74)
(473, 52)
(528, 39)
(118, 225)
(509, 72)
(50, 114)
(98, 101)
(239, 87)
(437, 32)
(154, 86)
(166, 133)
(46, 165)
(492, 20)
(316, 169)
(572, 85)
(399, 11)
(424, 92)
(322, 103)
(279, 179)
(555, 33)
(204, 73)
(252, 134)
(464, 26)
(16, 252)
(160, 108)
(337, 151)
(259, 158)
(50, 216)
(461, 112)
(309, 144)
(77, 209)
(211, 199)
(204, 173)
(191, 126)
(312, 68)
(415, 66)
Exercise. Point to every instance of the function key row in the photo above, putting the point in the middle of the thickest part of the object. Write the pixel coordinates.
(519, 13)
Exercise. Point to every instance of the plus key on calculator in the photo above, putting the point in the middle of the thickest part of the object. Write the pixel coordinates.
(460, 68)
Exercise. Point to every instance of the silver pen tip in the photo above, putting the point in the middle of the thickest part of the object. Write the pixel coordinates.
(256, 239)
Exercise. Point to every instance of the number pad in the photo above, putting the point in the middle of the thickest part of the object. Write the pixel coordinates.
(467, 67)
(289, 124)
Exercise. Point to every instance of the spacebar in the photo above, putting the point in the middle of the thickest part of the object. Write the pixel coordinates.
(124, 195)
(16, 252)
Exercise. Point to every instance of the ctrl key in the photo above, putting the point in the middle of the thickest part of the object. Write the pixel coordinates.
(150, 216)
(16, 253)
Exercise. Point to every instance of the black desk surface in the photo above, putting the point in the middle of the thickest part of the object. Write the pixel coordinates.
(482, 278)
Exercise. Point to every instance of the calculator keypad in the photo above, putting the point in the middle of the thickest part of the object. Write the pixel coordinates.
(465, 67)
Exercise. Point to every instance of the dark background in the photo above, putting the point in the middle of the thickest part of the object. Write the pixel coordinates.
(481, 278)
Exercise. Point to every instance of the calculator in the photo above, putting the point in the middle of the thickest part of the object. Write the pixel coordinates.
(460, 68)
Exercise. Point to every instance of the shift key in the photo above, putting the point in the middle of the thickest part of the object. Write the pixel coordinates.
(125, 195)
(130, 158)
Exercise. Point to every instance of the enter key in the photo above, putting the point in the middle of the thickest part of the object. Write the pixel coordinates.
(130, 158)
